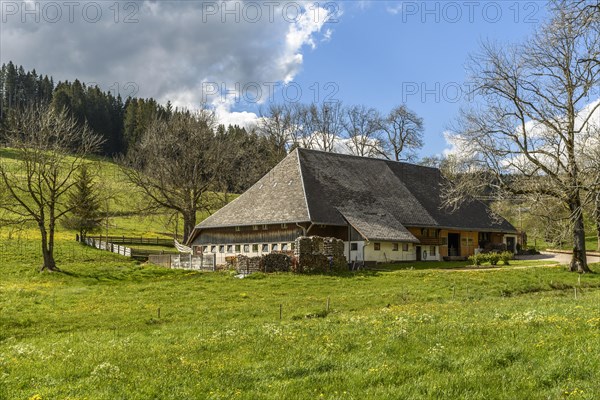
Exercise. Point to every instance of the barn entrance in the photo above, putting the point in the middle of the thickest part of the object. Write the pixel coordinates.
(454, 244)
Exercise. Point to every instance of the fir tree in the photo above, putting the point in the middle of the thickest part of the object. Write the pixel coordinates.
(84, 203)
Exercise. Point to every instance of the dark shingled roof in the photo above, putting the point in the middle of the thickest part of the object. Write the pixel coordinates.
(277, 198)
(379, 198)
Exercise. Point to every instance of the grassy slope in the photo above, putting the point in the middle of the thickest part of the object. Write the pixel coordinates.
(94, 332)
(125, 201)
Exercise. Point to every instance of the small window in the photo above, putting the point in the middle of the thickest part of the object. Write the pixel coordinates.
(275, 247)
(265, 248)
(238, 248)
(254, 227)
(221, 249)
(283, 226)
(376, 246)
(229, 249)
(404, 246)
(246, 248)
(432, 250)
(265, 227)
(237, 228)
(284, 247)
(353, 246)
(203, 249)
(255, 248)
(213, 249)
(394, 246)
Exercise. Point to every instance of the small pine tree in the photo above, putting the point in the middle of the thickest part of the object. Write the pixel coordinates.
(84, 203)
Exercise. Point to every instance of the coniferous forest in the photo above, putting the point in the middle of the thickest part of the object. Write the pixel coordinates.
(121, 122)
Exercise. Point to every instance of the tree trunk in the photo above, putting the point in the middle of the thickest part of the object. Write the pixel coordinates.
(597, 215)
(189, 223)
(579, 258)
(47, 252)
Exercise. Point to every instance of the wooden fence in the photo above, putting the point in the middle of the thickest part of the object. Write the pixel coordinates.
(205, 262)
(102, 245)
(135, 240)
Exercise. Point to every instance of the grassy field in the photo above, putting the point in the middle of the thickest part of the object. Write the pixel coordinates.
(108, 328)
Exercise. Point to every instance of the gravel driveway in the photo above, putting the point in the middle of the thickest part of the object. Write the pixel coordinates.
(560, 257)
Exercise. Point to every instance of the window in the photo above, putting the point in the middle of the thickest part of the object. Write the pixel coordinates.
(283, 226)
(229, 249)
(394, 246)
(275, 247)
(213, 249)
(221, 249)
(432, 250)
(255, 248)
(284, 247)
(246, 248)
(254, 227)
(265, 227)
(265, 248)
(353, 246)
(404, 246)
(238, 248)
(376, 246)
(203, 249)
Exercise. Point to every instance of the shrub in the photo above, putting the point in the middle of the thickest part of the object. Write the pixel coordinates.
(478, 259)
(506, 256)
(493, 258)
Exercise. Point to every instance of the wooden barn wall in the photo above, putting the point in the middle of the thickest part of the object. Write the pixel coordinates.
(231, 236)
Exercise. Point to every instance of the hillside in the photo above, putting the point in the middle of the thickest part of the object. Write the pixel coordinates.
(127, 206)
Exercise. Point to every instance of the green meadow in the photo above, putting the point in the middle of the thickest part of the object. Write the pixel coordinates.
(110, 328)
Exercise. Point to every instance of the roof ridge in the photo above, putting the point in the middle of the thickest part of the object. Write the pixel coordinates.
(302, 180)
(386, 160)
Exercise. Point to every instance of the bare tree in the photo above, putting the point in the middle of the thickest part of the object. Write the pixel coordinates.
(176, 162)
(404, 134)
(534, 105)
(277, 124)
(324, 123)
(50, 148)
(363, 129)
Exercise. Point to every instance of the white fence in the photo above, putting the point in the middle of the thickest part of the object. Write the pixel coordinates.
(115, 248)
(206, 262)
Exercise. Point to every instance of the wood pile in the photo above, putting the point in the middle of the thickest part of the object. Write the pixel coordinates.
(319, 255)
(248, 265)
(276, 262)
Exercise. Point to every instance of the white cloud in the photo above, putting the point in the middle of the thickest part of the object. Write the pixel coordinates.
(173, 49)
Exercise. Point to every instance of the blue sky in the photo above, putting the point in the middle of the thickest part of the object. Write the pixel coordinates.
(380, 58)
(377, 53)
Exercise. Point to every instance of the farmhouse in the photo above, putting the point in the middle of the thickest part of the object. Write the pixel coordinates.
(383, 210)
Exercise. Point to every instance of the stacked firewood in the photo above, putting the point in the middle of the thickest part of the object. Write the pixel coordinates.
(276, 262)
(319, 255)
(247, 265)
